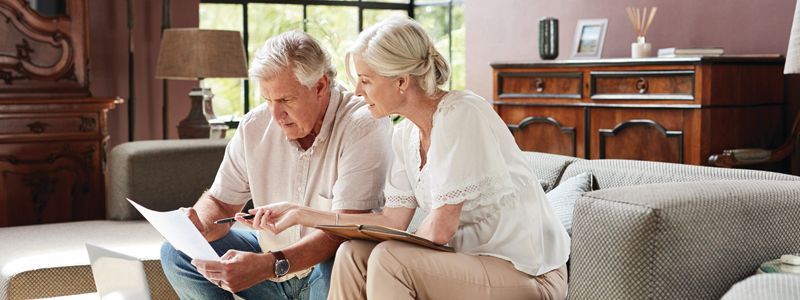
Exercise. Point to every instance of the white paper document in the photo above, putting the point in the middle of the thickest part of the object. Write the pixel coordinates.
(179, 231)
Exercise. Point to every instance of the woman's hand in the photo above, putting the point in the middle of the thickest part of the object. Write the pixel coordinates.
(441, 224)
(275, 217)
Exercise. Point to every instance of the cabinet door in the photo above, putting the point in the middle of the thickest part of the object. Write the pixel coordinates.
(642, 134)
(54, 182)
(557, 130)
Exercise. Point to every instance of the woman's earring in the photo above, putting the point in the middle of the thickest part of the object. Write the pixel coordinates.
(401, 92)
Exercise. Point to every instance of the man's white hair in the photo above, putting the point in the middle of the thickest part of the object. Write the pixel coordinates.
(296, 50)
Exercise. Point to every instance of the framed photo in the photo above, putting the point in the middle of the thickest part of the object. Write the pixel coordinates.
(589, 36)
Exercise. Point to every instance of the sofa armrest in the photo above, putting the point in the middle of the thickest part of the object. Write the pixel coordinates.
(161, 175)
(679, 240)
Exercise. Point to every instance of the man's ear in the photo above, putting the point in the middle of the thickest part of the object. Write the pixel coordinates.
(403, 82)
(322, 85)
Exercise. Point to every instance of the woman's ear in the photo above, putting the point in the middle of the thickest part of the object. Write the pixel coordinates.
(403, 82)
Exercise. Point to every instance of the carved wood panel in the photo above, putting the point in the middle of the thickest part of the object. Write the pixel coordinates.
(646, 134)
(49, 184)
(641, 139)
(546, 129)
(40, 55)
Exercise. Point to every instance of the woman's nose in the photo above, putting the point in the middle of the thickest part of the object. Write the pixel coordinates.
(359, 90)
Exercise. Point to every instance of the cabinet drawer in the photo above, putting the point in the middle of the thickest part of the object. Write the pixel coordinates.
(539, 85)
(45, 125)
(642, 85)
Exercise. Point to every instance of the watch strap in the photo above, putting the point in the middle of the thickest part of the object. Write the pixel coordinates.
(278, 255)
(279, 259)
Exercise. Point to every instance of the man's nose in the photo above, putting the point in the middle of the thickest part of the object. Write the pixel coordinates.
(277, 111)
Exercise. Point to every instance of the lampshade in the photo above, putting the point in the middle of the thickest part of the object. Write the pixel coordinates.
(793, 54)
(192, 53)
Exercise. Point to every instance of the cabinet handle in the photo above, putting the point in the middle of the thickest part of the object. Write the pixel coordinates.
(38, 127)
(642, 85)
(539, 84)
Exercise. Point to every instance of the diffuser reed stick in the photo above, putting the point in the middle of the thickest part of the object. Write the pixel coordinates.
(641, 19)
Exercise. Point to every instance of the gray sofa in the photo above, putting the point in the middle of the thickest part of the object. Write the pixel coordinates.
(651, 230)
(668, 231)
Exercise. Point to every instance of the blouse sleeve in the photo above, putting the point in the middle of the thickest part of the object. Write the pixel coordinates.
(465, 161)
(398, 191)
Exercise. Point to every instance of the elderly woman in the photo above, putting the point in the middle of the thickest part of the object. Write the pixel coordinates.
(453, 156)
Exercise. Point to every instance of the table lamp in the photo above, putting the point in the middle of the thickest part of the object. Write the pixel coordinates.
(195, 54)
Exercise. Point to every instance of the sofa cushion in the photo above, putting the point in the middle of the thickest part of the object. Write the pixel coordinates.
(610, 173)
(548, 167)
(50, 260)
(563, 197)
(690, 240)
(160, 175)
(766, 286)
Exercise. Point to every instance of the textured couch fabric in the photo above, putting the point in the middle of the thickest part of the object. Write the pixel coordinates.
(549, 167)
(690, 240)
(160, 175)
(611, 173)
(50, 260)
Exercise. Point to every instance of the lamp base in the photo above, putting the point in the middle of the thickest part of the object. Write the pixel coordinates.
(195, 125)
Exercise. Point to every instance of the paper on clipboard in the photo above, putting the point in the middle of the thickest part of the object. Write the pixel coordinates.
(179, 231)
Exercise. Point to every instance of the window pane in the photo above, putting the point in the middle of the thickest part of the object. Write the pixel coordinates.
(434, 20)
(336, 28)
(417, 2)
(227, 91)
(372, 16)
(265, 21)
(458, 61)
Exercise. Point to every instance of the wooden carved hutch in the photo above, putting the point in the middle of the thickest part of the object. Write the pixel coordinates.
(679, 110)
(53, 133)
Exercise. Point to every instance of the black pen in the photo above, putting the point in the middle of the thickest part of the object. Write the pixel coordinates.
(231, 220)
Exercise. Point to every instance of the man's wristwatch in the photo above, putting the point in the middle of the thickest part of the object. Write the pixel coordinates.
(281, 264)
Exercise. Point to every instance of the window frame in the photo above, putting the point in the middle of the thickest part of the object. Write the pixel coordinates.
(360, 4)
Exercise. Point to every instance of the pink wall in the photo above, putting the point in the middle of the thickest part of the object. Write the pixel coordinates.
(109, 65)
(507, 29)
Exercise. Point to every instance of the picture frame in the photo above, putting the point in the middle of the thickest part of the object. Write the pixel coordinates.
(589, 37)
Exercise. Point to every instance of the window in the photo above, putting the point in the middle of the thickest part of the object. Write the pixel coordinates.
(335, 23)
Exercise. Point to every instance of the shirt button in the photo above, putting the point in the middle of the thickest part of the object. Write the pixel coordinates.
(299, 188)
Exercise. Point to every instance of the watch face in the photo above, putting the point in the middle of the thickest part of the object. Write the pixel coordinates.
(281, 267)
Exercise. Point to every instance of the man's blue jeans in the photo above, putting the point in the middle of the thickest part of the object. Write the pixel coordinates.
(189, 284)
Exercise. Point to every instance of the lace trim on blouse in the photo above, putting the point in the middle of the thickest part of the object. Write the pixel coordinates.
(487, 191)
(395, 201)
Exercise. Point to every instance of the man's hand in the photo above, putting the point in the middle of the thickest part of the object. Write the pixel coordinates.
(237, 270)
(275, 217)
(192, 215)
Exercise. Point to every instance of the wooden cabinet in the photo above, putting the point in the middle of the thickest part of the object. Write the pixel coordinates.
(53, 133)
(673, 110)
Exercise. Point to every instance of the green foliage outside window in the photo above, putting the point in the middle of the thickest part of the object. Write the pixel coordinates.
(336, 27)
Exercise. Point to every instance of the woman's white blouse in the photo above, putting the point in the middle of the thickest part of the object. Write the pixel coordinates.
(474, 159)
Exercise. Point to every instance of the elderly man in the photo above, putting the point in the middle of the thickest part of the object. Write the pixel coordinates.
(314, 144)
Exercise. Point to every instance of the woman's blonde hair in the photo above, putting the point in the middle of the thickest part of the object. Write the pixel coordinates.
(298, 50)
(399, 46)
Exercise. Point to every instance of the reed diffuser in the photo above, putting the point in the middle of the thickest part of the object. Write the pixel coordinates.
(641, 20)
